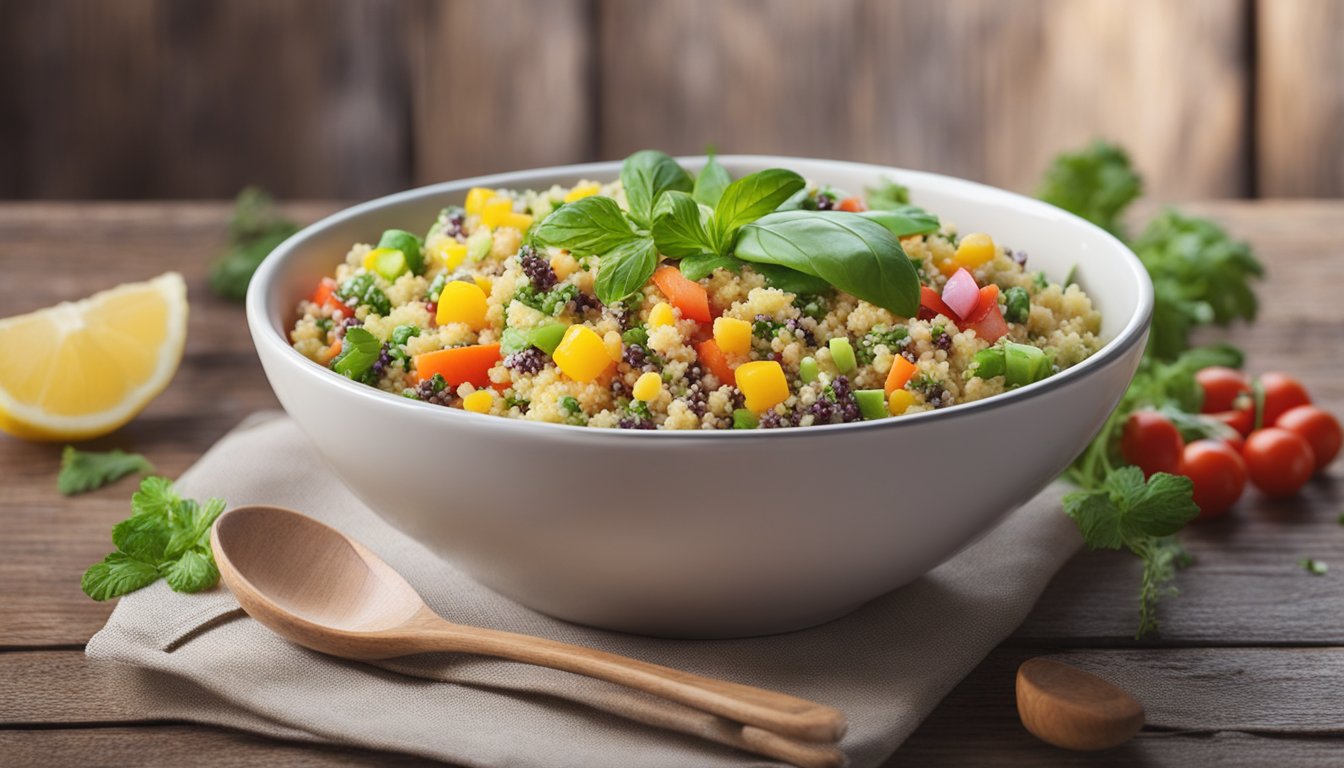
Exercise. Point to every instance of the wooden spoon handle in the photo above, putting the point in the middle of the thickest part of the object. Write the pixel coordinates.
(777, 712)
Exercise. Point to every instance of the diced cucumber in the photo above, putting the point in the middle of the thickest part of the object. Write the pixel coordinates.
(408, 244)
(842, 353)
(390, 263)
(744, 419)
(479, 243)
(547, 337)
(872, 403)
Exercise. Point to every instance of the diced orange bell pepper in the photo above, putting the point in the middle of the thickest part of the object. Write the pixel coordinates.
(713, 358)
(901, 372)
(687, 295)
(325, 295)
(852, 205)
(459, 365)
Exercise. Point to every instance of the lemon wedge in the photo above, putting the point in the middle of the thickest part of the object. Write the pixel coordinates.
(81, 369)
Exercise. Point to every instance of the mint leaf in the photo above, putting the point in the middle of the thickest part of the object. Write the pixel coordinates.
(887, 196)
(144, 537)
(624, 270)
(1164, 507)
(155, 497)
(116, 575)
(594, 224)
(192, 572)
(679, 226)
(84, 471)
(191, 526)
(711, 182)
(1126, 510)
(748, 199)
(646, 175)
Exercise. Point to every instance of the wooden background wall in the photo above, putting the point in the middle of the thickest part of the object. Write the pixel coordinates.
(355, 98)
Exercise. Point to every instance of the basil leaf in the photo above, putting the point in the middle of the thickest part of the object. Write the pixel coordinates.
(749, 198)
(887, 196)
(711, 182)
(679, 226)
(905, 220)
(624, 270)
(852, 253)
(791, 280)
(594, 224)
(701, 265)
(646, 175)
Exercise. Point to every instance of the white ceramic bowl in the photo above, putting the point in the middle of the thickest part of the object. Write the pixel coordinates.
(702, 534)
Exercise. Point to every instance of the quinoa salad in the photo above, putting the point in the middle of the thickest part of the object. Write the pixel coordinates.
(666, 300)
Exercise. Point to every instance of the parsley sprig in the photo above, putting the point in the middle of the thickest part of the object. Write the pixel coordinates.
(84, 471)
(166, 537)
(1200, 277)
(254, 231)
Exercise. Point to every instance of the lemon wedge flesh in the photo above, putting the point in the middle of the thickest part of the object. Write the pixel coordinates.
(81, 369)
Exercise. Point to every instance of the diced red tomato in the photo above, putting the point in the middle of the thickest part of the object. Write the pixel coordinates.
(987, 319)
(931, 305)
(325, 295)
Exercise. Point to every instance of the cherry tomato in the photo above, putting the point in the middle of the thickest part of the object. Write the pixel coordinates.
(852, 205)
(1278, 461)
(1221, 387)
(1151, 443)
(1219, 475)
(1319, 428)
(1282, 394)
(1242, 419)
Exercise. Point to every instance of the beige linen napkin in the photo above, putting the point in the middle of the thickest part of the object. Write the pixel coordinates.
(199, 658)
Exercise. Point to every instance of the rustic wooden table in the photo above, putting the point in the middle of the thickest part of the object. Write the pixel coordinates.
(1251, 656)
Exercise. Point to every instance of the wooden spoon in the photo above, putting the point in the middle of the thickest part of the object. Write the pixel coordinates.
(1073, 709)
(313, 585)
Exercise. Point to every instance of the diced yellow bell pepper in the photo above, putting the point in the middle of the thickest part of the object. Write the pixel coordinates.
(615, 347)
(732, 335)
(519, 221)
(661, 314)
(582, 190)
(476, 199)
(496, 210)
(647, 386)
(582, 355)
(483, 283)
(763, 384)
(479, 401)
(461, 302)
(449, 253)
(973, 251)
(899, 401)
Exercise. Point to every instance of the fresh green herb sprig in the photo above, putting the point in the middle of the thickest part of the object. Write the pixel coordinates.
(1200, 276)
(1313, 566)
(254, 231)
(1097, 183)
(84, 471)
(165, 537)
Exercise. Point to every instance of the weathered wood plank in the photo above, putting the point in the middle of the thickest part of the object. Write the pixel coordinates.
(172, 746)
(500, 86)
(1300, 98)
(155, 98)
(1201, 704)
(981, 89)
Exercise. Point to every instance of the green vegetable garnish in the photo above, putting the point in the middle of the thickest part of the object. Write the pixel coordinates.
(808, 370)
(254, 231)
(711, 182)
(165, 536)
(637, 335)
(1024, 364)
(391, 264)
(1017, 307)
(1096, 183)
(84, 471)
(362, 290)
(905, 220)
(744, 419)
(887, 196)
(404, 333)
(409, 245)
(646, 175)
(842, 354)
(1313, 566)
(872, 403)
(359, 352)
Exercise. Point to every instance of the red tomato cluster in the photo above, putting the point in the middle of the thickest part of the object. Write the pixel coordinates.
(1295, 440)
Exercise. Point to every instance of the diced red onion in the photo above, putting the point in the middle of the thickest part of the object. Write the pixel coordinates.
(961, 294)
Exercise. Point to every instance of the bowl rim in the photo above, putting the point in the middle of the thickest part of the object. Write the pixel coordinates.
(263, 330)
